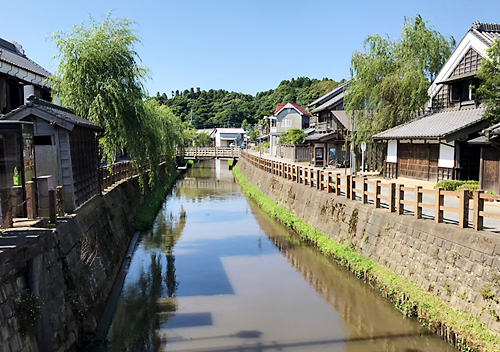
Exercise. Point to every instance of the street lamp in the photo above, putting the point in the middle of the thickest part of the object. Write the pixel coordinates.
(260, 136)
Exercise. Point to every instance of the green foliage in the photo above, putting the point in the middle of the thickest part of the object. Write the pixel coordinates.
(266, 145)
(292, 136)
(471, 186)
(390, 79)
(203, 140)
(147, 213)
(485, 292)
(489, 73)
(237, 109)
(455, 185)
(99, 77)
(28, 309)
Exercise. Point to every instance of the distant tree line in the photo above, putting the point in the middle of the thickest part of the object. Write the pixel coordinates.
(223, 108)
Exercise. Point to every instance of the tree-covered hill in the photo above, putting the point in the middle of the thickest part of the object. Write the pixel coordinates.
(220, 107)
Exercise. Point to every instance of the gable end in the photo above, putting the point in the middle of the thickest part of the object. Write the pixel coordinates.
(470, 63)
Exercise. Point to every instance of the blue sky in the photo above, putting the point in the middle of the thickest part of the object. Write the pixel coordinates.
(243, 46)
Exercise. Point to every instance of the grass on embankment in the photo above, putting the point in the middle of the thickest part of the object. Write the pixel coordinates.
(409, 299)
(147, 213)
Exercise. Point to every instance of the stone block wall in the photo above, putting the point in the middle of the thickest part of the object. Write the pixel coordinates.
(460, 266)
(71, 271)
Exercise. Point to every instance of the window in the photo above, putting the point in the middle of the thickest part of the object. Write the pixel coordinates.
(460, 91)
(286, 122)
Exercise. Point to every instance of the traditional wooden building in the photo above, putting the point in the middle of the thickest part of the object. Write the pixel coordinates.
(489, 169)
(434, 146)
(20, 77)
(65, 148)
(329, 126)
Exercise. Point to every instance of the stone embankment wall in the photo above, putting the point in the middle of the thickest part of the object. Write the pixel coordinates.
(70, 270)
(460, 266)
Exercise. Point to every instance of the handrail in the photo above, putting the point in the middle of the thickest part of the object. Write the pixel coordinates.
(356, 188)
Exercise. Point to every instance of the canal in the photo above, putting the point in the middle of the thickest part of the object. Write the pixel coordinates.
(216, 274)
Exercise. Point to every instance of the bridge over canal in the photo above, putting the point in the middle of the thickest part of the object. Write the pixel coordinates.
(212, 153)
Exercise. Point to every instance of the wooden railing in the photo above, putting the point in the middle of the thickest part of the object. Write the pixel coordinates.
(214, 152)
(357, 189)
(115, 173)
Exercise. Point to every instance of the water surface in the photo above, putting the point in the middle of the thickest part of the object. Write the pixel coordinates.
(215, 274)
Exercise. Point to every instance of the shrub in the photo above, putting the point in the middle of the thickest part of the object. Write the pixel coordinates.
(454, 185)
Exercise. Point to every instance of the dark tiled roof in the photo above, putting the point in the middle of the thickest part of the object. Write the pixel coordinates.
(58, 112)
(329, 103)
(329, 95)
(9, 54)
(434, 125)
(321, 136)
(342, 117)
(486, 32)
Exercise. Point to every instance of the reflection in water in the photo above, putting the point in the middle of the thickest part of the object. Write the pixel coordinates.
(140, 313)
(210, 276)
(136, 318)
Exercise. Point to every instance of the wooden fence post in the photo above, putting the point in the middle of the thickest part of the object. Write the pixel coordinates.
(401, 197)
(347, 187)
(318, 179)
(463, 221)
(364, 188)
(353, 187)
(59, 201)
(337, 184)
(392, 197)
(418, 200)
(30, 200)
(329, 189)
(438, 217)
(478, 208)
(6, 208)
(376, 191)
(52, 206)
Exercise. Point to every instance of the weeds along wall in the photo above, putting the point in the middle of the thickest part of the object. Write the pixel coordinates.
(53, 289)
(460, 266)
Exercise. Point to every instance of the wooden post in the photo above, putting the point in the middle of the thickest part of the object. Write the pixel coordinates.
(478, 208)
(376, 199)
(401, 197)
(318, 179)
(418, 199)
(392, 197)
(463, 221)
(337, 184)
(6, 208)
(329, 189)
(438, 217)
(59, 201)
(353, 187)
(30, 200)
(52, 206)
(364, 188)
(348, 186)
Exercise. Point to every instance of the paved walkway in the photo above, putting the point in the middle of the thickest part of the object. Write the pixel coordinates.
(492, 225)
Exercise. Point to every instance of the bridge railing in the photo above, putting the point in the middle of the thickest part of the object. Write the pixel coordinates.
(207, 152)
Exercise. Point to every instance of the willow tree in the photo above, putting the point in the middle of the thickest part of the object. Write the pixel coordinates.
(390, 79)
(100, 78)
(489, 90)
